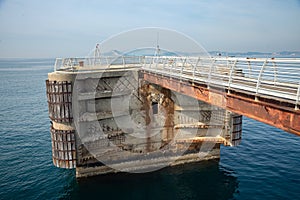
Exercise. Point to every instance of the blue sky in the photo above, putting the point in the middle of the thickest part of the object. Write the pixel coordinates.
(35, 28)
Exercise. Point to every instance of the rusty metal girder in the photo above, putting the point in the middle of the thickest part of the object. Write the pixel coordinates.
(274, 114)
(285, 119)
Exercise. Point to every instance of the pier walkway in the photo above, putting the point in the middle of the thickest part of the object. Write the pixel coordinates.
(264, 89)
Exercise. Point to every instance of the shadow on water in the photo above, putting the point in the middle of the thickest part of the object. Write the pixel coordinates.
(205, 180)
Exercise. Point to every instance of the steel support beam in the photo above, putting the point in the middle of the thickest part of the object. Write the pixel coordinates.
(285, 118)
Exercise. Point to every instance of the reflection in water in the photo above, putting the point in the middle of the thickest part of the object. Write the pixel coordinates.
(205, 180)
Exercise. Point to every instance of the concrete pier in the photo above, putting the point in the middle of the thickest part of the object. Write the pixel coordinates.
(112, 120)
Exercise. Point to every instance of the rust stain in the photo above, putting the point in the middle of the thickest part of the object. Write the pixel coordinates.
(281, 117)
(167, 103)
(168, 106)
(145, 95)
(217, 99)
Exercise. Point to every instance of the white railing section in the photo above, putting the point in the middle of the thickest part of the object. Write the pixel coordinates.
(72, 64)
(272, 78)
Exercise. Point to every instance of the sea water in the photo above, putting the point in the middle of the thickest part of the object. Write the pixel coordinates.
(265, 166)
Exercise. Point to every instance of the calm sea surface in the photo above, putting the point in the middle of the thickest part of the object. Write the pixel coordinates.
(265, 166)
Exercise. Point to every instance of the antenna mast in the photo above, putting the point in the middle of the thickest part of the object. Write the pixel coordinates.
(157, 52)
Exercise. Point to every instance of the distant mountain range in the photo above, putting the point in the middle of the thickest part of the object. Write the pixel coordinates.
(251, 54)
(290, 54)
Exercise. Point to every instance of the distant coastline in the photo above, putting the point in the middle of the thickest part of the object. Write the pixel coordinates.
(250, 54)
(284, 54)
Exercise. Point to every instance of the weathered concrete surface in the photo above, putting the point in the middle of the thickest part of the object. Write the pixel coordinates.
(137, 166)
(133, 125)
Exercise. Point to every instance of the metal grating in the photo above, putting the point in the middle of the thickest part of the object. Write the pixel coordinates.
(59, 94)
(236, 130)
(63, 148)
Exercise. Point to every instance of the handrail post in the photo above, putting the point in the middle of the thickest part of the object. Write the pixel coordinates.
(150, 62)
(250, 68)
(140, 62)
(210, 71)
(171, 68)
(157, 61)
(181, 71)
(63, 62)
(107, 62)
(123, 60)
(194, 69)
(259, 78)
(55, 65)
(72, 63)
(175, 66)
(231, 74)
(143, 61)
(297, 98)
(275, 72)
(164, 63)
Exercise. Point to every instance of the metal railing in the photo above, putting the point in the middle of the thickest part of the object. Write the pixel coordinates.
(72, 64)
(272, 78)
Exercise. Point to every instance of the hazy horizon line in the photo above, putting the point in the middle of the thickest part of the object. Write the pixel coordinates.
(210, 52)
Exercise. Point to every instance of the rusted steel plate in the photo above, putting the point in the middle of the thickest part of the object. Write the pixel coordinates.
(273, 113)
(266, 113)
